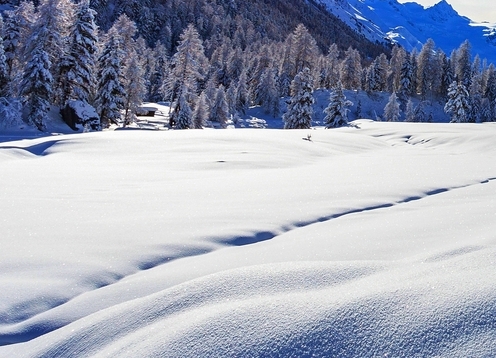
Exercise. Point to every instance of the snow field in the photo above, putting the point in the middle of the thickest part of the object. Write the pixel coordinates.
(372, 240)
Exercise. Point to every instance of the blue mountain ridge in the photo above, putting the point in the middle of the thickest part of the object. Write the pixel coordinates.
(410, 25)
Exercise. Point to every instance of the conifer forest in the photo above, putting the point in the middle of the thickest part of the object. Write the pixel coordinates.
(211, 61)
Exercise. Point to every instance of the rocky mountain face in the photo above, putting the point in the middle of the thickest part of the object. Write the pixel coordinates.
(410, 25)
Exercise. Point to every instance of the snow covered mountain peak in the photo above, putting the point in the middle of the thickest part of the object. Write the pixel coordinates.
(410, 24)
(442, 11)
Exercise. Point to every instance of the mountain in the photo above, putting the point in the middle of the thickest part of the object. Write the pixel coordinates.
(274, 20)
(410, 24)
(368, 25)
(256, 20)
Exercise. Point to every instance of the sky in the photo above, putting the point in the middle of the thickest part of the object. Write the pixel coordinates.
(480, 10)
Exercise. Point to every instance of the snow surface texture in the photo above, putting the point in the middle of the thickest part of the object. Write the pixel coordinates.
(374, 240)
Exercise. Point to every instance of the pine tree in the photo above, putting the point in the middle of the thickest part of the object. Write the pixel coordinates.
(11, 41)
(300, 112)
(36, 87)
(458, 105)
(382, 72)
(267, 95)
(358, 111)
(427, 69)
(406, 81)
(183, 114)
(77, 80)
(370, 78)
(159, 73)
(463, 66)
(231, 99)
(242, 97)
(2, 28)
(398, 57)
(210, 94)
(414, 66)
(447, 76)
(219, 63)
(487, 111)
(146, 58)
(333, 63)
(273, 106)
(126, 28)
(10, 113)
(259, 65)
(52, 30)
(304, 50)
(351, 69)
(377, 74)
(419, 112)
(220, 109)
(235, 64)
(476, 66)
(134, 88)
(337, 110)
(285, 70)
(110, 93)
(409, 112)
(201, 113)
(490, 90)
(4, 78)
(17, 29)
(322, 77)
(475, 98)
(392, 109)
(187, 67)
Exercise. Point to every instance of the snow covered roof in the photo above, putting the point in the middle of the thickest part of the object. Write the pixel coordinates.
(83, 109)
(148, 108)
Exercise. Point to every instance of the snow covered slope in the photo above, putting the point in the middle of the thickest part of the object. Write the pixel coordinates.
(368, 241)
(411, 24)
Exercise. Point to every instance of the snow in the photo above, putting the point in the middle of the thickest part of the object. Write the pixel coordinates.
(83, 110)
(411, 25)
(375, 239)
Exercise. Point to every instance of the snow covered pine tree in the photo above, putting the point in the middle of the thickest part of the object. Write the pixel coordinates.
(337, 110)
(188, 64)
(458, 105)
(200, 114)
(81, 61)
(110, 89)
(300, 112)
(392, 109)
(36, 88)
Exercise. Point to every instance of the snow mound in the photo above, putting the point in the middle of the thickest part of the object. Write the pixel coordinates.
(302, 309)
(375, 239)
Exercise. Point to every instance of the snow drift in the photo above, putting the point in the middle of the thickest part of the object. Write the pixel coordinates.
(372, 240)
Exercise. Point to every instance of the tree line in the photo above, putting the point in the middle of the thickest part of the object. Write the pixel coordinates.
(54, 53)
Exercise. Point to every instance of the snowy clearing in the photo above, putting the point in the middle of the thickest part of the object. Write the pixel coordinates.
(377, 239)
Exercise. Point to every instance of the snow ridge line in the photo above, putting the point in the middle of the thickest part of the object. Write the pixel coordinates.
(38, 150)
(268, 235)
(27, 331)
(38, 329)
